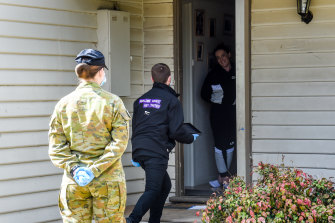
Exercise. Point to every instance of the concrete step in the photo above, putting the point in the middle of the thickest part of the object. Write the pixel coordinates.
(189, 199)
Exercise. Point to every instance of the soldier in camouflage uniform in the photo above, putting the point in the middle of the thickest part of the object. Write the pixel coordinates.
(89, 130)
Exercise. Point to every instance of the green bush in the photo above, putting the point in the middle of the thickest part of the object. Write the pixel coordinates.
(280, 195)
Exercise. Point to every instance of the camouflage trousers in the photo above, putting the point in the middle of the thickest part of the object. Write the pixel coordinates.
(102, 201)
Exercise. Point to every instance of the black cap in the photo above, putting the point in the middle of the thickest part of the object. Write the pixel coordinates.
(91, 57)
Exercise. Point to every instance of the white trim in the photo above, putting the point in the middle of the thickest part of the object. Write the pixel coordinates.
(188, 94)
(242, 8)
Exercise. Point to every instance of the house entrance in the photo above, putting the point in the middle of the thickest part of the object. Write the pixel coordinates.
(205, 24)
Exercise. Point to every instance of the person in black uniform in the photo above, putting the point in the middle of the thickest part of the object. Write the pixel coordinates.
(158, 121)
(219, 89)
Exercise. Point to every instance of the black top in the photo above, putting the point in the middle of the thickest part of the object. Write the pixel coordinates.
(222, 116)
(157, 122)
(226, 80)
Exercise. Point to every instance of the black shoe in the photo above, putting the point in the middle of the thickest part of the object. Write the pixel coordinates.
(128, 220)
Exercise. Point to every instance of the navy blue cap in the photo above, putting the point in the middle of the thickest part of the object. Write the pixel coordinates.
(91, 57)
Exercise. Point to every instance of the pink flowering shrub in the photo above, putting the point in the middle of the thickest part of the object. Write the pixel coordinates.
(280, 195)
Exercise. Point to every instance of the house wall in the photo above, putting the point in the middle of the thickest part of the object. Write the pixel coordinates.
(38, 42)
(293, 86)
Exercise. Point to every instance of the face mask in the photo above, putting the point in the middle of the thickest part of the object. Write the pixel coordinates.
(103, 81)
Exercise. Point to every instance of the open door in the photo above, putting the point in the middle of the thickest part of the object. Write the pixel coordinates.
(205, 24)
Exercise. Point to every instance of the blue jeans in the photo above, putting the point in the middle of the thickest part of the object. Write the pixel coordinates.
(157, 189)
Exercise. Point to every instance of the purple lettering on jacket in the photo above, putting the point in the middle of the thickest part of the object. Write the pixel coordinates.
(155, 106)
(151, 106)
(151, 103)
(148, 101)
(156, 101)
(145, 101)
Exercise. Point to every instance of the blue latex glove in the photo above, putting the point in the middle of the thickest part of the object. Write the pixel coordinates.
(195, 136)
(135, 163)
(83, 176)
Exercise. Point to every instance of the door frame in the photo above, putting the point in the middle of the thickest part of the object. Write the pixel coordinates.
(243, 89)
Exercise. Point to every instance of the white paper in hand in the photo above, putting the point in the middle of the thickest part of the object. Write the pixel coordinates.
(217, 94)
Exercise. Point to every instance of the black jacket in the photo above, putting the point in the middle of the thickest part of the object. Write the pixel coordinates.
(222, 116)
(157, 122)
(228, 84)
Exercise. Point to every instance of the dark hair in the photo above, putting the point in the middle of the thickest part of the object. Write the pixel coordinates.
(223, 47)
(86, 71)
(160, 73)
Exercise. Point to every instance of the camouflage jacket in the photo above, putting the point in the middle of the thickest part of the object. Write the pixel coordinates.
(89, 127)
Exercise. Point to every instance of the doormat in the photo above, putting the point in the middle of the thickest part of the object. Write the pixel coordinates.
(197, 207)
(178, 206)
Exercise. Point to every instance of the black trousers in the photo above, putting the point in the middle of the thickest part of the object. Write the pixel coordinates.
(157, 189)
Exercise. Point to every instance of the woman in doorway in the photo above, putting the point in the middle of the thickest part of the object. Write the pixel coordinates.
(219, 89)
(88, 134)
